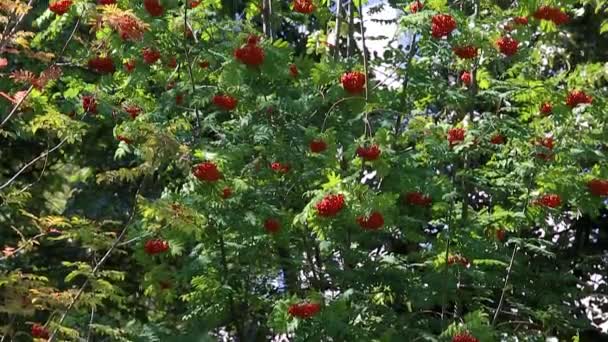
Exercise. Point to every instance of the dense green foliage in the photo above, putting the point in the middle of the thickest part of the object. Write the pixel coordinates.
(137, 205)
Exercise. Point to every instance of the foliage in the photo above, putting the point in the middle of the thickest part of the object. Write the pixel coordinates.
(134, 208)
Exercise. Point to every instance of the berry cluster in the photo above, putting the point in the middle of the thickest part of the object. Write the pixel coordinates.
(576, 97)
(465, 51)
(521, 20)
(89, 104)
(150, 55)
(458, 259)
(304, 310)
(250, 53)
(554, 14)
(456, 135)
(102, 65)
(353, 82)
(546, 145)
(280, 167)
(369, 153)
(417, 198)
(497, 139)
(330, 205)
(129, 65)
(546, 108)
(464, 337)
(303, 6)
(39, 331)
(272, 225)
(226, 193)
(293, 70)
(598, 187)
(225, 102)
(60, 7)
(507, 45)
(317, 145)
(154, 8)
(156, 246)
(374, 221)
(549, 200)
(416, 6)
(207, 171)
(466, 78)
(442, 25)
(132, 110)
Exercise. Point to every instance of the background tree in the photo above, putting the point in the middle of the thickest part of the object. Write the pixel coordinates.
(171, 173)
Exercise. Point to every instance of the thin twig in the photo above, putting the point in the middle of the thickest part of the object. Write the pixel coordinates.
(189, 65)
(29, 90)
(32, 162)
(364, 52)
(504, 288)
(338, 24)
(90, 324)
(99, 264)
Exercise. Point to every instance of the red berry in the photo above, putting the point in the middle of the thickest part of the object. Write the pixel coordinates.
(250, 53)
(293, 70)
(179, 99)
(129, 65)
(89, 104)
(193, 4)
(272, 225)
(546, 108)
(466, 78)
(456, 135)
(122, 138)
(466, 51)
(353, 82)
(156, 246)
(416, 6)
(521, 20)
(553, 14)
(253, 39)
(172, 62)
(576, 97)
(546, 145)
(497, 139)
(549, 200)
(374, 221)
(154, 8)
(417, 198)
(330, 205)
(369, 153)
(226, 193)
(132, 110)
(317, 145)
(207, 171)
(304, 310)
(150, 55)
(507, 45)
(442, 25)
(598, 187)
(279, 167)
(458, 259)
(225, 102)
(39, 331)
(464, 337)
(60, 7)
(501, 234)
(102, 65)
(303, 6)
(203, 64)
